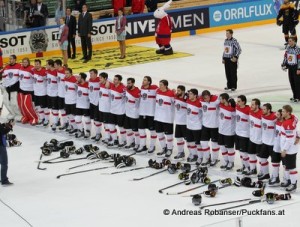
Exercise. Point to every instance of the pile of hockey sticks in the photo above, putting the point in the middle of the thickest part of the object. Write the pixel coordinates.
(119, 161)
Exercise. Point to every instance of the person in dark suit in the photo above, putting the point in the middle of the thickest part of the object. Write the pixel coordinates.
(40, 14)
(85, 23)
(71, 23)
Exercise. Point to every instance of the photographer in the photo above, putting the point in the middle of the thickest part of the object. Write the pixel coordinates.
(4, 130)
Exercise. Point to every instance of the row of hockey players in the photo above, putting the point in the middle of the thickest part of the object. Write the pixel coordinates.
(198, 119)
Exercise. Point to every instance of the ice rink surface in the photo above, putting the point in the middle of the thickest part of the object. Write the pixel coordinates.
(92, 200)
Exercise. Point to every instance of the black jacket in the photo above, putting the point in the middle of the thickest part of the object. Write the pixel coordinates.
(4, 129)
(72, 25)
(85, 24)
(41, 20)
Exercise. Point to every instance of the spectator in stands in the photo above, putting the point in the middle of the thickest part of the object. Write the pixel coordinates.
(137, 6)
(79, 4)
(63, 40)
(151, 5)
(121, 32)
(59, 12)
(2, 16)
(72, 24)
(40, 14)
(118, 4)
(85, 23)
(29, 14)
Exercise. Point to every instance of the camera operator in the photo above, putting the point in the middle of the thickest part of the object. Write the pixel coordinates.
(5, 128)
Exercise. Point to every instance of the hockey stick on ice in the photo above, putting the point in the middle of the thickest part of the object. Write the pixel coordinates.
(124, 171)
(224, 203)
(38, 166)
(84, 171)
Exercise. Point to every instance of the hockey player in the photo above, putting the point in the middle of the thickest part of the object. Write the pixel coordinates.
(194, 126)
(70, 100)
(164, 118)
(276, 154)
(10, 78)
(227, 130)
(180, 120)
(232, 51)
(292, 63)
(268, 134)
(133, 94)
(146, 114)
(255, 140)
(289, 148)
(210, 106)
(61, 93)
(82, 107)
(104, 104)
(94, 87)
(40, 90)
(52, 95)
(242, 131)
(288, 18)
(25, 95)
(117, 112)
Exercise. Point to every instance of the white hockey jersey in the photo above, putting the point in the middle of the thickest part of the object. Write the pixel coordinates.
(148, 101)
(94, 88)
(104, 98)
(132, 102)
(40, 82)
(61, 73)
(26, 78)
(52, 85)
(180, 111)
(210, 112)
(164, 108)
(226, 120)
(194, 115)
(10, 74)
(70, 90)
(268, 129)
(255, 127)
(82, 98)
(117, 96)
(242, 127)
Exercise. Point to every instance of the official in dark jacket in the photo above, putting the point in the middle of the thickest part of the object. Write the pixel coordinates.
(40, 14)
(4, 129)
(71, 23)
(85, 23)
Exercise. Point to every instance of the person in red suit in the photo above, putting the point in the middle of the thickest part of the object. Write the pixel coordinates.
(137, 6)
(118, 4)
(163, 30)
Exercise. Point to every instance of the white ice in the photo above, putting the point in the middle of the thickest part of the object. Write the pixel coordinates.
(92, 199)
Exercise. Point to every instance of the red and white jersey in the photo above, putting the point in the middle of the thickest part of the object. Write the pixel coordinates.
(117, 96)
(268, 129)
(255, 127)
(148, 100)
(180, 111)
(70, 90)
(194, 115)
(278, 129)
(94, 88)
(227, 120)
(61, 73)
(210, 112)
(26, 78)
(82, 98)
(132, 102)
(10, 74)
(104, 98)
(40, 82)
(242, 126)
(52, 85)
(288, 135)
(164, 108)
